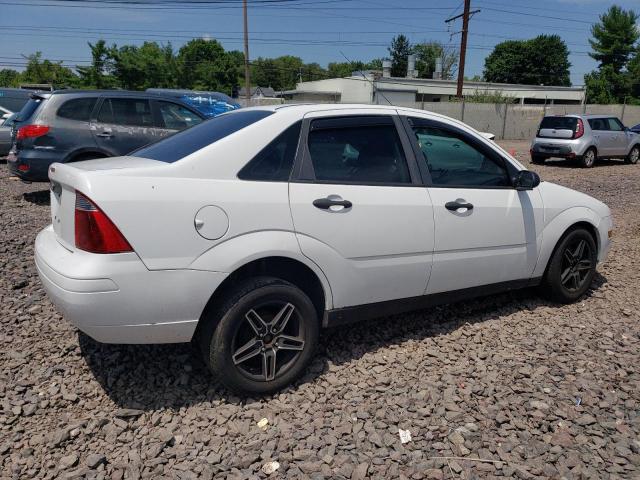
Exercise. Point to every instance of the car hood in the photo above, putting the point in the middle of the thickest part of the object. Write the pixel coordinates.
(557, 198)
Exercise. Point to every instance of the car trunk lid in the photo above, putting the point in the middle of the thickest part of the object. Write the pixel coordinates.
(558, 127)
(66, 179)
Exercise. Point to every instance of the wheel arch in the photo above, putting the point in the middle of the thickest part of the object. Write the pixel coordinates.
(286, 268)
(77, 154)
(559, 227)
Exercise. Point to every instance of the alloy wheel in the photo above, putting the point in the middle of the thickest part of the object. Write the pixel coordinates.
(634, 156)
(577, 262)
(589, 158)
(268, 341)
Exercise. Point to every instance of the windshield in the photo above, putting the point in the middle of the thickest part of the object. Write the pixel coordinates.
(181, 144)
(559, 123)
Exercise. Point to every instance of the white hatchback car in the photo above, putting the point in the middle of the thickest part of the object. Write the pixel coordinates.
(251, 231)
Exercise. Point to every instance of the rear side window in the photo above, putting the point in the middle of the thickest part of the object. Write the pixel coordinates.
(368, 153)
(184, 143)
(559, 123)
(77, 109)
(598, 124)
(29, 108)
(135, 112)
(274, 162)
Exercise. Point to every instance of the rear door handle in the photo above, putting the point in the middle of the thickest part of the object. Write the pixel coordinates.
(104, 134)
(454, 206)
(326, 203)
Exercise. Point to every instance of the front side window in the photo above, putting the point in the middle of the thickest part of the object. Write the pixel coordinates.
(177, 117)
(452, 160)
(369, 153)
(274, 162)
(77, 109)
(615, 125)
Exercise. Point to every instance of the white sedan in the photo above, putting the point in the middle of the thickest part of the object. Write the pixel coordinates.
(250, 232)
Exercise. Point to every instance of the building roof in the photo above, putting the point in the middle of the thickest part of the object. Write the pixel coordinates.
(258, 92)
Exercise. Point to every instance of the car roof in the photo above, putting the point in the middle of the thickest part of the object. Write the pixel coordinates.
(303, 108)
(114, 93)
(576, 115)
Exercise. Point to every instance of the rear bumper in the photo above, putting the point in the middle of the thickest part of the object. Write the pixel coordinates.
(116, 299)
(32, 165)
(548, 148)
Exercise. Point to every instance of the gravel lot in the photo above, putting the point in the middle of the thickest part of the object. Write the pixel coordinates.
(507, 386)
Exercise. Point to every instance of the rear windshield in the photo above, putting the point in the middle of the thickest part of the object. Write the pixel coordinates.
(29, 108)
(181, 144)
(559, 123)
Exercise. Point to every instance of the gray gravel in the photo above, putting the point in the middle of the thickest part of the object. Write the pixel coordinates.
(507, 386)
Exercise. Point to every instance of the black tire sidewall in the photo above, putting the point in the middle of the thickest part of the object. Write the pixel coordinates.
(628, 159)
(555, 288)
(220, 360)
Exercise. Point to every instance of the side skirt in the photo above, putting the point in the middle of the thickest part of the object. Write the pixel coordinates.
(347, 315)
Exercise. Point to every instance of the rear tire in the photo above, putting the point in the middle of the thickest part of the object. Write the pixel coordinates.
(537, 159)
(262, 337)
(571, 268)
(589, 158)
(633, 156)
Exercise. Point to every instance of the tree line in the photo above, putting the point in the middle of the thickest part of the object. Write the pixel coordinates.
(200, 64)
(203, 64)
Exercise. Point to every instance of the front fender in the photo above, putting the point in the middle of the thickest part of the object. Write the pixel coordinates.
(231, 254)
(557, 226)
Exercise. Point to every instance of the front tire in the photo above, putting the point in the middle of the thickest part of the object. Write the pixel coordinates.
(265, 337)
(634, 155)
(572, 267)
(589, 158)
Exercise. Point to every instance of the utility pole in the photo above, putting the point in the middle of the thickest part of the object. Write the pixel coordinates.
(247, 77)
(463, 42)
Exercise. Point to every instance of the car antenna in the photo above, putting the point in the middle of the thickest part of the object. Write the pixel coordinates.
(367, 79)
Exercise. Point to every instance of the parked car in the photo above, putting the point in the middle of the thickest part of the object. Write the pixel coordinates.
(251, 231)
(5, 133)
(210, 104)
(13, 99)
(74, 125)
(584, 138)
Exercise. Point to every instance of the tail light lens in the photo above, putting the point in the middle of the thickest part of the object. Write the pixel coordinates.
(579, 129)
(94, 231)
(32, 131)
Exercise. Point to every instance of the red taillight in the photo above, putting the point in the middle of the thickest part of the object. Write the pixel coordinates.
(579, 129)
(95, 233)
(23, 168)
(32, 131)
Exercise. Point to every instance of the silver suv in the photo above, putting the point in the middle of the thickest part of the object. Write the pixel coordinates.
(584, 138)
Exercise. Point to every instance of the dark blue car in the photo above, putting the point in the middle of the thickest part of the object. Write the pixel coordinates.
(636, 128)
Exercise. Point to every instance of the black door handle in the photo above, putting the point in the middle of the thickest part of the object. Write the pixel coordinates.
(325, 203)
(456, 205)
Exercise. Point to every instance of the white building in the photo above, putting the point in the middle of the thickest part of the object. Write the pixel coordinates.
(371, 88)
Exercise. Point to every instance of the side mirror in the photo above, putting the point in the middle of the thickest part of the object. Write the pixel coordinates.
(526, 180)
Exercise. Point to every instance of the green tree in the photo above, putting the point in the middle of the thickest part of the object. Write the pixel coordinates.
(46, 71)
(204, 65)
(426, 54)
(614, 38)
(543, 60)
(9, 77)
(614, 42)
(399, 50)
(149, 65)
(345, 69)
(100, 73)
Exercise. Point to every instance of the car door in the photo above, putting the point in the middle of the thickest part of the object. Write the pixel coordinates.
(359, 209)
(486, 232)
(173, 117)
(599, 131)
(124, 124)
(617, 137)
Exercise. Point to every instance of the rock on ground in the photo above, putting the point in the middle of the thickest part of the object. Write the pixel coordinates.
(540, 390)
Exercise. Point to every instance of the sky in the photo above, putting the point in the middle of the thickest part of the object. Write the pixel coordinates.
(319, 31)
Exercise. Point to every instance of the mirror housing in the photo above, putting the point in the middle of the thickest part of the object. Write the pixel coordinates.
(526, 180)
